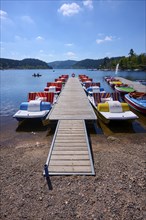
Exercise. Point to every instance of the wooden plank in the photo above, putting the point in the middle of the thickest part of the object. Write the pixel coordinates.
(75, 152)
(68, 140)
(69, 157)
(69, 169)
(73, 130)
(71, 135)
(70, 132)
(63, 126)
(69, 148)
(63, 144)
(69, 163)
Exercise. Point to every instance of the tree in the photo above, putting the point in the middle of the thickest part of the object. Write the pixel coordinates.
(131, 53)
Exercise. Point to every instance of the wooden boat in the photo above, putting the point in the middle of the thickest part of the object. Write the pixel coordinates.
(109, 107)
(124, 89)
(38, 106)
(137, 100)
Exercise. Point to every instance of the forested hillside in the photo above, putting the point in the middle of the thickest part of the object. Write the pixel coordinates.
(67, 64)
(130, 62)
(97, 64)
(23, 64)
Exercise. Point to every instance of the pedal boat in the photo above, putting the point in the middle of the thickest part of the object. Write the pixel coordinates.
(124, 89)
(109, 107)
(137, 101)
(114, 83)
(38, 106)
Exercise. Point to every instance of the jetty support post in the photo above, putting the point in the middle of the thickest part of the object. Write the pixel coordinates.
(95, 126)
(46, 171)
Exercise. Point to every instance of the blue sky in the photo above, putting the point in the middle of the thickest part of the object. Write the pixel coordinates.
(53, 30)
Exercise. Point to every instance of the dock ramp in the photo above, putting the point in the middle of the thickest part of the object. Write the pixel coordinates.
(70, 152)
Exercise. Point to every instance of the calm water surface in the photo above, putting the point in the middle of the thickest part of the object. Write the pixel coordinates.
(15, 84)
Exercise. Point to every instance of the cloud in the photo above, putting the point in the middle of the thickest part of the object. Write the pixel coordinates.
(4, 18)
(70, 54)
(69, 9)
(88, 4)
(3, 15)
(68, 44)
(105, 39)
(17, 38)
(27, 19)
(39, 38)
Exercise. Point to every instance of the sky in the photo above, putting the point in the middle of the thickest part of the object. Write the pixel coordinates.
(55, 30)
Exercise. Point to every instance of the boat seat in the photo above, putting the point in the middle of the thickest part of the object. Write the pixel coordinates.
(105, 97)
(44, 96)
(104, 107)
(115, 96)
(97, 98)
(54, 84)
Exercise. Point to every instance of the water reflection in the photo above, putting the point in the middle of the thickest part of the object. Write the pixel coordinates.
(121, 127)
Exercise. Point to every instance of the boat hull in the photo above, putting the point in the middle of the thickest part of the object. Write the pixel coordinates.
(135, 105)
(22, 115)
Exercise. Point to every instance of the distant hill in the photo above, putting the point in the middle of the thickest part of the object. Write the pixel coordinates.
(67, 64)
(86, 64)
(23, 64)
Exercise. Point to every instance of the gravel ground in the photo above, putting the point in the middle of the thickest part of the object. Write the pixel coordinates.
(116, 192)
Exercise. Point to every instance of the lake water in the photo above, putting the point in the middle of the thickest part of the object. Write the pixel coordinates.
(15, 85)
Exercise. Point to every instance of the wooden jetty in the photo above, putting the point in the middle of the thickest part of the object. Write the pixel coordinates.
(70, 152)
(136, 85)
(72, 103)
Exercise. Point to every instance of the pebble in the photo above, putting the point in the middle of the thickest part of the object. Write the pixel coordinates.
(33, 132)
(111, 138)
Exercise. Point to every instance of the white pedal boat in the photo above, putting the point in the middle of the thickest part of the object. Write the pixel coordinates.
(33, 109)
(108, 108)
(38, 106)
